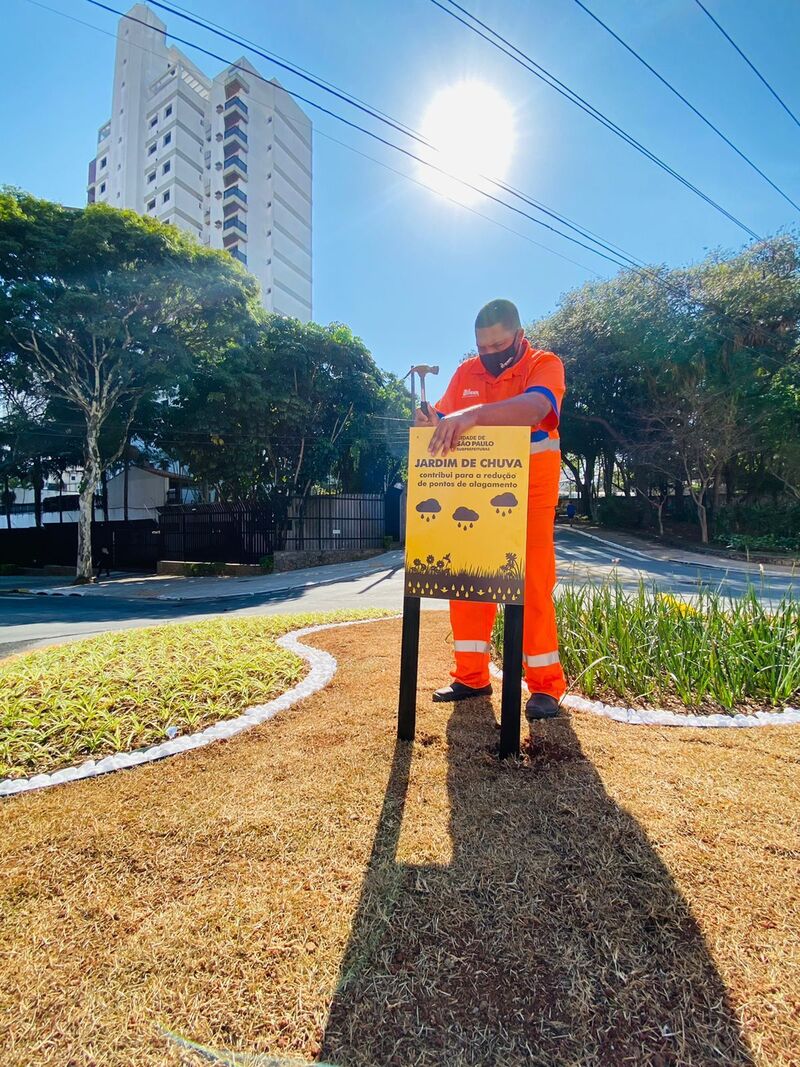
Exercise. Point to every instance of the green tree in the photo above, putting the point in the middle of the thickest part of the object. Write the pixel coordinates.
(106, 307)
(280, 412)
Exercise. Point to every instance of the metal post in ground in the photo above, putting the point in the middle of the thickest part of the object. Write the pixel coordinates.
(409, 663)
(512, 681)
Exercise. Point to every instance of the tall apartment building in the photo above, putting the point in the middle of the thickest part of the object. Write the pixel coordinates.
(228, 159)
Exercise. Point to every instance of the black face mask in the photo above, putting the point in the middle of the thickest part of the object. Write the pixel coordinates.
(496, 362)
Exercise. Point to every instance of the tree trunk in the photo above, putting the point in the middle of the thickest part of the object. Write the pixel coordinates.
(60, 496)
(7, 498)
(660, 515)
(702, 516)
(608, 474)
(91, 476)
(587, 488)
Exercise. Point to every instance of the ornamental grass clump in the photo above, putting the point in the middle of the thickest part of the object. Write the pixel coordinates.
(709, 653)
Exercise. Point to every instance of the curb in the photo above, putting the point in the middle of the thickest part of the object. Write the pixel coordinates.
(323, 667)
(661, 717)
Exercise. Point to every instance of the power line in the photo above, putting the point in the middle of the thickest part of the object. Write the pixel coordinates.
(611, 257)
(518, 56)
(451, 200)
(358, 152)
(374, 112)
(648, 274)
(381, 116)
(689, 104)
(752, 66)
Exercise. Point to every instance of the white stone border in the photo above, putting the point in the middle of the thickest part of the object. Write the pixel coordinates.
(660, 717)
(323, 667)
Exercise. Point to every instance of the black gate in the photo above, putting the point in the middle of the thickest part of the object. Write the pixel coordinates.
(216, 533)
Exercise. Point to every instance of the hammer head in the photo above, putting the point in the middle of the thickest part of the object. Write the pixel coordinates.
(422, 369)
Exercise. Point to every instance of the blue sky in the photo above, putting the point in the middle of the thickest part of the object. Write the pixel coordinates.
(404, 268)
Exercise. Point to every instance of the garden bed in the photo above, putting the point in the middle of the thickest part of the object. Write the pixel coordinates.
(313, 889)
(708, 654)
(130, 689)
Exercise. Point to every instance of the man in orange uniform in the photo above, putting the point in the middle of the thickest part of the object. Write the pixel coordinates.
(509, 383)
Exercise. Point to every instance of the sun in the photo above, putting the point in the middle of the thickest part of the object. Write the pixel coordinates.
(470, 127)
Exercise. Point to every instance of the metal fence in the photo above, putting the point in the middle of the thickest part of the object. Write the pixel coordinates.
(133, 545)
(214, 533)
(345, 520)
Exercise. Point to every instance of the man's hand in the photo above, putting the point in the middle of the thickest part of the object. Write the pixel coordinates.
(450, 429)
(429, 420)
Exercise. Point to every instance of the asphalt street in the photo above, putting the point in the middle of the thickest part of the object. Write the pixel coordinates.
(29, 621)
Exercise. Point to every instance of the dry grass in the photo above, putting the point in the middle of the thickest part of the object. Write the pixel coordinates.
(622, 896)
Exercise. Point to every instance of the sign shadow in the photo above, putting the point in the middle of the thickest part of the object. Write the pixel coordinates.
(555, 934)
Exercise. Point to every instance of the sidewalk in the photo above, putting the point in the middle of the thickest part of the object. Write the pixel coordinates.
(670, 554)
(169, 587)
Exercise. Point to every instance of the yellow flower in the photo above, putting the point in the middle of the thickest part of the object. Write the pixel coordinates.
(678, 605)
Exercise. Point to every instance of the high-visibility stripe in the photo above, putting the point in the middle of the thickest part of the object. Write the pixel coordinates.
(552, 444)
(472, 646)
(546, 659)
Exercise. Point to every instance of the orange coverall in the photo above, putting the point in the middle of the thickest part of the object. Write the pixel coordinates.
(539, 372)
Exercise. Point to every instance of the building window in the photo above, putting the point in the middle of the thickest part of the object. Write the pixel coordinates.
(153, 121)
(103, 162)
(167, 111)
(151, 177)
(167, 138)
(103, 187)
(166, 168)
(165, 197)
(151, 150)
(150, 205)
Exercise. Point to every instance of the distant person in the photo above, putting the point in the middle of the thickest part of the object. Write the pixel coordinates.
(102, 563)
(571, 511)
(509, 383)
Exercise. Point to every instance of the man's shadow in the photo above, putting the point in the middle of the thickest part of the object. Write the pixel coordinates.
(555, 935)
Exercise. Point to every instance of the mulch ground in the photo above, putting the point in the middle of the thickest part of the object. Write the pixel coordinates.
(312, 889)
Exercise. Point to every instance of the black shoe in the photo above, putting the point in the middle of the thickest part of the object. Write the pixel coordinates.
(541, 706)
(458, 691)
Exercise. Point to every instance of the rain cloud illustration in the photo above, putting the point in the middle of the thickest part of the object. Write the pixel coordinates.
(429, 509)
(465, 517)
(504, 502)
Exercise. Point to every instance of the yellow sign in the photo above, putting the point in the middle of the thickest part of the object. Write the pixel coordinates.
(467, 516)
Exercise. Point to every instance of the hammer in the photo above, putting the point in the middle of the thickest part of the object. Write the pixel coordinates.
(421, 369)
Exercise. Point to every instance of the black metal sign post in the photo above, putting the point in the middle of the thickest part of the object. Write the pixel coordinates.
(512, 676)
(409, 663)
(512, 681)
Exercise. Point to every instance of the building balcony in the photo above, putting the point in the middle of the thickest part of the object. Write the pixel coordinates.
(234, 223)
(236, 163)
(235, 137)
(236, 106)
(234, 195)
(238, 254)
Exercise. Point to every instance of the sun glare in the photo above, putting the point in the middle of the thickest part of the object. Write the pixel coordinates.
(471, 128)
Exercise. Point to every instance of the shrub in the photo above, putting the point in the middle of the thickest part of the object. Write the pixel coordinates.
(763, 543)
(267, 564)
(203, 570)
(759, 520)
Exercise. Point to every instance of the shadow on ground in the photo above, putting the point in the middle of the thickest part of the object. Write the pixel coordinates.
(555, 936)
